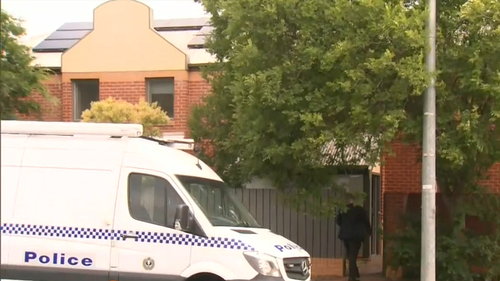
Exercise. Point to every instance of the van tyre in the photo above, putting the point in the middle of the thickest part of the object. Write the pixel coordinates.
(205, 277)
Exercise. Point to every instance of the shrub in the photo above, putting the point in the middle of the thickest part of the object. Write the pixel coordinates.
(461, 254)
(120, 111)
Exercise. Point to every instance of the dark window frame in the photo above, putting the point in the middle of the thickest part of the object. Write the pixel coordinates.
(76, 107)
(171, 82)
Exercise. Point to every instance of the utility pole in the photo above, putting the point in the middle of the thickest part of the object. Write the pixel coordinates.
(428, 261)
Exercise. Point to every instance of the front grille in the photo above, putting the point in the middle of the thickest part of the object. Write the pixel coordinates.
(297, 268)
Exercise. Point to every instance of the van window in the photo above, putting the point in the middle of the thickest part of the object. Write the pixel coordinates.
(152, 199)
(217, 202)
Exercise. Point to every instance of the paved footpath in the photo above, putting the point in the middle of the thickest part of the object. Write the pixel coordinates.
(364, 277)
(371, 271)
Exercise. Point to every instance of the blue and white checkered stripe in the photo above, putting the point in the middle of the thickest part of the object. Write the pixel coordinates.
(112, 234)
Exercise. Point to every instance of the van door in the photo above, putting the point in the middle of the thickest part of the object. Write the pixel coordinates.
(146, 246)
(11, 159)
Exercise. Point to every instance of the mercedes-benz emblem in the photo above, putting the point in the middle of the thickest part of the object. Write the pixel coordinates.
(148, 263)
(305, 267)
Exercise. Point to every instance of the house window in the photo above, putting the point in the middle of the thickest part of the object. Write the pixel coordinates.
(152, 199)
(161, 91)
(84, 93)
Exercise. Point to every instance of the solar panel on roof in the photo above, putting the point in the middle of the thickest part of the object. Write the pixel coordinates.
(77, 26)
(180, 24)
(196, 42)
(68, 34)
(187, 22)
(54, 45)
(206, 30)
(161, 23)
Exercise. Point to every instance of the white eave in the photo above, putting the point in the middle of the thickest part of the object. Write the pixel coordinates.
(49, 60)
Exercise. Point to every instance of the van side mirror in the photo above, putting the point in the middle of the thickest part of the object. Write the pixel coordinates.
(182, 218)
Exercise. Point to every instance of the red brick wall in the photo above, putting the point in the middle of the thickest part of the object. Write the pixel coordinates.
(401, 175)
(494, 178)
(51, 111)
(326, 269)
(133, 91)
(189, 89)
(402, 171)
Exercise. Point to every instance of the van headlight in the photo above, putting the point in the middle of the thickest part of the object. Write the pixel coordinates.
(264, 264)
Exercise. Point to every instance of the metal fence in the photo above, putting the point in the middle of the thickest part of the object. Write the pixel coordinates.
(317, 236)
(376, 214)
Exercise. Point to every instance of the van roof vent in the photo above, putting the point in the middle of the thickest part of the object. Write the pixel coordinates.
(182, 144)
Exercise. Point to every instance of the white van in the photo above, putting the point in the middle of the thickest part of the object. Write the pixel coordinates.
(99, 202)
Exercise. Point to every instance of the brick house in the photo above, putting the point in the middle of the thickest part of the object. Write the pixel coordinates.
(129, 60)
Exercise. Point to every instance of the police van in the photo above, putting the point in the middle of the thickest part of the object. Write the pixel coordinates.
(101, 202)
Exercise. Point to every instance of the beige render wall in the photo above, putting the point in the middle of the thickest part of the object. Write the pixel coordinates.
(123, 40)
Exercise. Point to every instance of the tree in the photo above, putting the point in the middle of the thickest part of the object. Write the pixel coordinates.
(119, 111)
(292, 76)
(19, 78)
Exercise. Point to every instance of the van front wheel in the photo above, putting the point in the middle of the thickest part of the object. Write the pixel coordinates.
(205, 277)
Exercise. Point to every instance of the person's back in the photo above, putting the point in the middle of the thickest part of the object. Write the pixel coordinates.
(354, 228)
(354, 223)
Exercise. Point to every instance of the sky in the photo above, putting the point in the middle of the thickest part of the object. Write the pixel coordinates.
(42, 17)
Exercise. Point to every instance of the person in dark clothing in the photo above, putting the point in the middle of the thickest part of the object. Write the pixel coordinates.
(354, 228)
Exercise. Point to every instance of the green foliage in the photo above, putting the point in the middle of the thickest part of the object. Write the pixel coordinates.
(120, 111)
(292, 76)
(463, 254)
(470, 258)
(19, 78)
(404, 247)
(469, 93)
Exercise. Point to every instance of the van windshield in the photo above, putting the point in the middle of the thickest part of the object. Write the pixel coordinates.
(218, 203)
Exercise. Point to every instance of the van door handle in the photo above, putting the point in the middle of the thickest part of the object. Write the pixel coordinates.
(125, 236)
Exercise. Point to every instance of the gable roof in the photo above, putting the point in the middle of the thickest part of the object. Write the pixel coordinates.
(70, 33)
